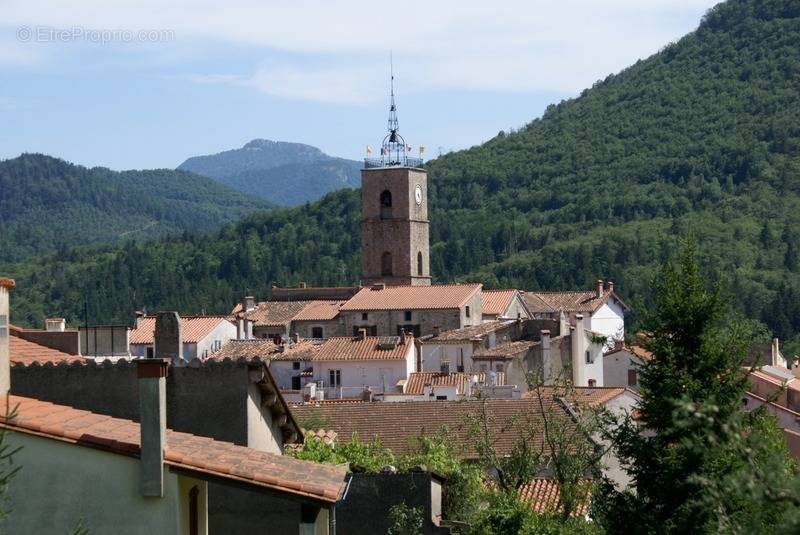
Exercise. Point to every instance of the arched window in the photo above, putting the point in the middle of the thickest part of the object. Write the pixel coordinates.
(419, 263)
(386, 264)
(386, 204)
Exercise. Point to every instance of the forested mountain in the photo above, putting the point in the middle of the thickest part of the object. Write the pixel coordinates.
(284, 173)
(48, 204)
(701, 138)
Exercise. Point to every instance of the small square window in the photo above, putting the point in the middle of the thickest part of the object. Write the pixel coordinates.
(407, 315)
(467, 310)
(592, 383)
(295, 365)
(364, 316)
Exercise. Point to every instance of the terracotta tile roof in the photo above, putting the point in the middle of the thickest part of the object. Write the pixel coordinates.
(543, 496)
(636, 350)
(302, 350)
(258, 348)
(417, 380)
(193, 328)
(275, 313)
(569, 301)
(495, 302)
(398, 424)
(435, 297)
(465, 334)
(183, 450)
(587, 396)
(24, 352)
(504, 351)
(354, 348)
(319, 311)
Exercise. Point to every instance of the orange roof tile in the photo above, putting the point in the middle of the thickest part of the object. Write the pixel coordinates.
(465, 334)
(398, 424)
(354, 348)
(636, 350)
(588, 396)
(504, 351)
(417, 380)
(24, 352)
(193, 328)
(544, 496)
(258, 348)
(568, 301)
(319, 311)
(275, 313)
(183, 450)
(495, 302)
(302, 350)
(436, 297)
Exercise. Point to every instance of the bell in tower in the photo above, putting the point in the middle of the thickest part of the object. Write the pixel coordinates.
(394, 213)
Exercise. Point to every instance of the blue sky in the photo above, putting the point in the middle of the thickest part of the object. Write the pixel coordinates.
(142, 84)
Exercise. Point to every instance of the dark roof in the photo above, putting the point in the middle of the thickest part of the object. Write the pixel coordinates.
(569, 301)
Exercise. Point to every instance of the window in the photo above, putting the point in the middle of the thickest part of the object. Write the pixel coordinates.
(364, 316)
(386, 264)
(498, 367)
(407, 315)
(409, 329)
(296, 383)
(150, 352)
(482, 367)
(386, 204)
(588, 357)
(419, 263)
(194, 524)
(335, 377)
(592, 383)
(631, 377)
(372, 330)
(316, 332)
(295, 365)
(467, 310)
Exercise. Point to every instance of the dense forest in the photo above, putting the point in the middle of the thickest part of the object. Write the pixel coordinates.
(286, 174)
(47, 204)
(702, 138)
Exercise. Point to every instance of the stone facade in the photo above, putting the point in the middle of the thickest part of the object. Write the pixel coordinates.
(306, 329)
(394, 227)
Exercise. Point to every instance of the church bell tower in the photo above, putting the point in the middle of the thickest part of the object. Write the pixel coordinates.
(394, 214)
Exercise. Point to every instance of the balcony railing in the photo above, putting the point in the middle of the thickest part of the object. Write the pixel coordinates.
(393, 161)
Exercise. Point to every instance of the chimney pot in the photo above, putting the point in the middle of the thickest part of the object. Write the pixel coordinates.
(152, 375)
(55, 325)
(248, 303)
(599, 287)
(168, 340)
(437, 330)
(362, 334)
(296, 337)
(610, 285)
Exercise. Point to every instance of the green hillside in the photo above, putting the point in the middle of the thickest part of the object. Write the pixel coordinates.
(703, 137)
(48, 204)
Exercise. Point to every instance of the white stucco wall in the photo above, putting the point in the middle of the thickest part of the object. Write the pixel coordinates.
(616, 366)
(432, 355)
(61, 483)
(593, 370)
(222, 333)
(263, 433)
(609, 320)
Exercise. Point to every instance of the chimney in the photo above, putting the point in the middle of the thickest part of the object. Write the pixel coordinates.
(598, 287)
(303, 285)
(248, 303)
(168, 340)
(6, 285)
(776, 352)
(609, 285)
(296, 337)
(362, 334)
(248, 327)
(139, 316)
(55, 325)
(578, 344)
(402, 336)
(437, 330)
(240, 334)
(152, 375)
(545, 335)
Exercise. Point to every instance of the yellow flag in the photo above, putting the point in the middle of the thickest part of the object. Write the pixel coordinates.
(421, 149)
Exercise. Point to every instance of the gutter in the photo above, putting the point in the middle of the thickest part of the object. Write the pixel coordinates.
(341, 500)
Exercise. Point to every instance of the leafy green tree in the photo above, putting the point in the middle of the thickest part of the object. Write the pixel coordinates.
(405, 520)
(692, 434)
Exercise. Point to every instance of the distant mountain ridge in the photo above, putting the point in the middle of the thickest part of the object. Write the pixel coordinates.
(282, 172)
(47, 203)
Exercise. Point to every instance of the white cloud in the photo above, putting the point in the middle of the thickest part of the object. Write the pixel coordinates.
(338, 51)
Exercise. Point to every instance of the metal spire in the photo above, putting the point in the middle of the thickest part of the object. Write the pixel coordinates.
(393, 124)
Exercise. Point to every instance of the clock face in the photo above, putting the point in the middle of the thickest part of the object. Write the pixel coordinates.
(418, 194)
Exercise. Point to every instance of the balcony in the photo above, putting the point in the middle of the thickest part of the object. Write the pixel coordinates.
(393, 161)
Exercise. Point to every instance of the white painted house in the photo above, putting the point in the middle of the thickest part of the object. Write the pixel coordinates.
(603, 309)
(622, 364)
(451, 351)
(345, 367)
(201, 336)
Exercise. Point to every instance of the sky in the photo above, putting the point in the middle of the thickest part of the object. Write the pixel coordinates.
(137, 84)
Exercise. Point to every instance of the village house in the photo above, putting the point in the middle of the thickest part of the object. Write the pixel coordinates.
(451, 350)
(387, 310)
(603, 309)
(201, 336)
(503, 304)
(433, 386)
(622, 363)
(778, 388)
(116, 475)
